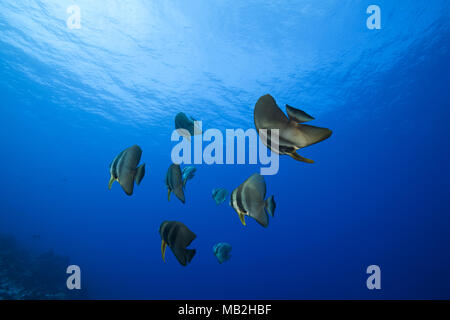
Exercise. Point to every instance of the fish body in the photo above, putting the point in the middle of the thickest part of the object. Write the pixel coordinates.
(293, 135)
(248, 200)
(219, 195)
(187, 174)
(185, 126)
(124, 169)
(178, 237)
(222, 251)
(174, 182)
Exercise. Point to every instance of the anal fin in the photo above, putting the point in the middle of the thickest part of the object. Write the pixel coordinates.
(242, 218)
(163, 250)
(298, 157)
(111, 181)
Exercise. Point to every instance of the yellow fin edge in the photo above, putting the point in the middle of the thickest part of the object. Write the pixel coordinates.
(111, 181)
(242, 218)
(163, 250)
(298, 157)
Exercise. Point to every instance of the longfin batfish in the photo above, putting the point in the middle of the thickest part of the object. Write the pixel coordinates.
(187, 174)
(248, 200)
(219, 195)
(293, 135)
(174, 182)
(186, 127)
(124, 169)
(222, 251)
(178, 237)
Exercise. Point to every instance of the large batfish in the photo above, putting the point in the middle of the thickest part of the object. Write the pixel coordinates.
(293, 135)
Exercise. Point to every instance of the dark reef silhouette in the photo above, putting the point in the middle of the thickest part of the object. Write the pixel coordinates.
(25, 276)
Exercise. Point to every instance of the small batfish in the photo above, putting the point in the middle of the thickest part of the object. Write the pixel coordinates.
(219, 195)
(222, 251)
(174, 182)
(186, 127)
(187, 174)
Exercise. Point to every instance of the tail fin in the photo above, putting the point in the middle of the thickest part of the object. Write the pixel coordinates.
(184, 256)
(270, 205)
(190, 253)
(140, 172)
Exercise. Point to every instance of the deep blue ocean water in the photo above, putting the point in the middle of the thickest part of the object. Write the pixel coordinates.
(72, 99)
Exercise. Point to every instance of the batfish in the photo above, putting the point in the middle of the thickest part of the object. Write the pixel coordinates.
(293, 135)
(185, 126)
(222, 251)
(177, 236)
(187, 174)
(219, 195)
(174, 182)
(248, 200)
(124, 169)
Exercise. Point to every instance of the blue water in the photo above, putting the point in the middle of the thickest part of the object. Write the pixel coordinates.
(72, 99)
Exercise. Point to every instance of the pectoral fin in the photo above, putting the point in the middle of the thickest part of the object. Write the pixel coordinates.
(111, 181)
(242, 218)
(168, 195)
(298, 157)
(163, 250)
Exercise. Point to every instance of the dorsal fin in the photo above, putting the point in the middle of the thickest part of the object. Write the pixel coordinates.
(257, 182)
(298, 115)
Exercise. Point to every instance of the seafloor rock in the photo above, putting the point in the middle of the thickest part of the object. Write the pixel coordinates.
(25, 276)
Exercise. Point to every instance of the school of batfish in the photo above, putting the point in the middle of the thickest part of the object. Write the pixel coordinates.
(248, 199)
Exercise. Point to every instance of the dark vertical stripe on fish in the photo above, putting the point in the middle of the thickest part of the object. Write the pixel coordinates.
(239, 200)
(165, 232)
